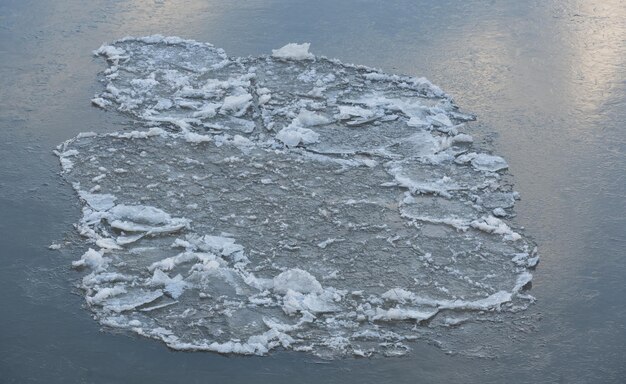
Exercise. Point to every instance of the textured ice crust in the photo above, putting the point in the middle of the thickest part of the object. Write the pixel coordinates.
(287, 201)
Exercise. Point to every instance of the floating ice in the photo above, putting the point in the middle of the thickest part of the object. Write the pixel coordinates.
(296, 280)
(293, 51)
(276, 202)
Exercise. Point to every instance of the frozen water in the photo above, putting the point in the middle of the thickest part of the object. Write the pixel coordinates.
(287, 201)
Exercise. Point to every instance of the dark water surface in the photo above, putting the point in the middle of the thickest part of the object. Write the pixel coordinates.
(547, 80)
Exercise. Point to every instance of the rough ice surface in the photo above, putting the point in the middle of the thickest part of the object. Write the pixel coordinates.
(276, 202)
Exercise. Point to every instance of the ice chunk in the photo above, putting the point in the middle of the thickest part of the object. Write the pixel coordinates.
(173, 286)
(243, 143)
(209, 110)
(113, 54)
(441, 186)
(170, 263)
(140, 134)
(491, 302)
(97, 201)
(489, 163)
(308, 118)
(140, 214)
(296, 133)
(394, 314)
(499, 212)
(522, 281)
(192, 137)
(494, 225)
(130, 300)
(237, 104)
(348, 112)
(141, 218)
(295, 302)
(107, 244)
(296, 280)
(220, 245)
(105, 293)
(399, 295)
(92, 259)
(293, 51)
(292, 136)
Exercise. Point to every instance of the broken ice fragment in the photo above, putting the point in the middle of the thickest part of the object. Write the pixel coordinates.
(293, 51)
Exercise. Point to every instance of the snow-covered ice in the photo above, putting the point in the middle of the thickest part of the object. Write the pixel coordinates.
(287, 201)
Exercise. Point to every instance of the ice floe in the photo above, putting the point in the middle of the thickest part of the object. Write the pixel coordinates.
(287, 201)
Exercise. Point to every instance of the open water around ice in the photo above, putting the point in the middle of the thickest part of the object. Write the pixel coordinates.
(288, 201)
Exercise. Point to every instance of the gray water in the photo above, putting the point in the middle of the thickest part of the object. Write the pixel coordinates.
(546, 79)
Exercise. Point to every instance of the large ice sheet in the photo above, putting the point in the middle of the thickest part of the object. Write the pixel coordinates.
(287, 201)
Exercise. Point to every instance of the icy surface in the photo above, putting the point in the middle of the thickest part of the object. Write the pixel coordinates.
(276, 202)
